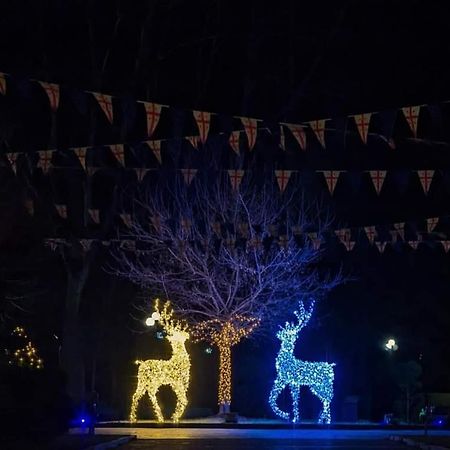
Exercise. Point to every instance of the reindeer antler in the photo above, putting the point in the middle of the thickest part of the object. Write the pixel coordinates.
(166, 319)
(304, 315)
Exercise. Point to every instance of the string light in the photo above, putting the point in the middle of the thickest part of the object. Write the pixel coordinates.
(224, 335)
(294, 373)
(26, 356)
(174, 372)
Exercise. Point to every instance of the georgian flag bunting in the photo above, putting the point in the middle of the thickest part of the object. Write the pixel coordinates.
(105, 102)
(80, 152)
(118, 152)
(318, 126)
(331, 177)
(426, 177)
(283, 241)
(12, 159)
(45, 160)
(62, 211)
(431, 223)
(400, 228)
(349, 245)
(299, 134)
(235, 178)
(153, 114)
(94, 214)
(381, 246)
(377, 177)
(203, 120)
(126, 218)
(413, 244)
(155, 147)
(362, 122)
(283, 177)
(140, 173)
(251, 130)
(343, 234)
(446, 245)
(52, 91)
(371, 233)
(2, 83)
(234, 141)
(188, 175)
(411, 114)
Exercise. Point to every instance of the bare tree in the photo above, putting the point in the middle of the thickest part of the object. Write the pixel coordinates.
(229, 260)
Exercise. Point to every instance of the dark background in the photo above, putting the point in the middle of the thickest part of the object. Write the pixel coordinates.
(287, 61)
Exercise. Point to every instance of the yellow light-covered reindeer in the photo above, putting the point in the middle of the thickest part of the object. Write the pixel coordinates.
(174, 372)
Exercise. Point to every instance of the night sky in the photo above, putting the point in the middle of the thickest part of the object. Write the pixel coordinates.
(284, 61)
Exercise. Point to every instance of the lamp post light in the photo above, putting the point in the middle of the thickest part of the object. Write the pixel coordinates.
(391, 345)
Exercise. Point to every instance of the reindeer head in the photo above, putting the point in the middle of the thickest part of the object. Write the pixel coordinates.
(176, 331)
(288, 333)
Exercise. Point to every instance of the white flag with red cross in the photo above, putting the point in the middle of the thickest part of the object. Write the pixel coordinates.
(400, 228)
(381, 246)
(188, 175)
(155, 147)
(318, 126)
(425, 177)
(105, 103)
(343, 234)
(12, 159)
(193, 140)
(45, 160)
(377, 177)
(62, 211)
(52, 91)
(251, 130)
(411, 114)
(371, 233)
(118, 152)
(349, 245)
(2, 83)
(362, 122)
(299, 134)
(126, 219)
(233, 140)
(431, 223)
(235, 178)
(94, 214)
(140, 173)
(413, 244)
(283, 177)
(331, 177)
(153, 114)
(282, 139)
(203, 120)
(80, 152)
(446, 245)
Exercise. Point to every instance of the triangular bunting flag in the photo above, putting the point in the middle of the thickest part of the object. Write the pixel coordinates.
(400, 228)
(45, 160)
(251, 130)
(95, 215)
(343, 235)
(349, 245)
(155, 147)
(431, 223)
(105, 102)
(381, 246)
(235, 178)
(426, 177)
(2, 83)
(316, 243)
(188, 175)
(282, 139)
(86, 244)
(62, 210)
(413, 244)
(52, 91)
(411, 114)
(203, 120)
(318, 126)
(446, 245)
(126, 218)
(153, 113)
(283, 178)
(283, 241)
(81, 155)
(299, 134)
(331, 177)
(371, 233)
(193, 140)
(140, 173)
(234, 141)
(118, 152)
(52, 243)
(377, 177)
(362, 122)
(296, 230)
(12, 159)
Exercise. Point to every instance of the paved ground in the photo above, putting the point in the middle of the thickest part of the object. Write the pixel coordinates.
(262, 444)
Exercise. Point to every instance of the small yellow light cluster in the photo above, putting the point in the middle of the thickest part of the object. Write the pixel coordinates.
(174, 372)
(224, 335)
(26, 356)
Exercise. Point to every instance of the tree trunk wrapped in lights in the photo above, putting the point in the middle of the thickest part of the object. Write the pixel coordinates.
(231, 261)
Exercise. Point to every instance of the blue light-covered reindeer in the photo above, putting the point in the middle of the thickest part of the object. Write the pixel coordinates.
(294, 373)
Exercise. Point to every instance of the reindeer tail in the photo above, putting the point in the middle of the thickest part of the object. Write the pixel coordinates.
(138, 362)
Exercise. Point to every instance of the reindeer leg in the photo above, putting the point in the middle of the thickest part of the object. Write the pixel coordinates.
(182, 401)
(326, 415)
(140, 391)
(154, 402)
(295, 391)
(274, 393)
